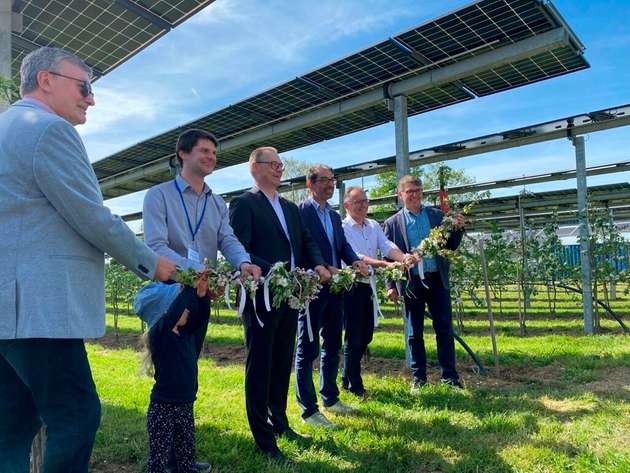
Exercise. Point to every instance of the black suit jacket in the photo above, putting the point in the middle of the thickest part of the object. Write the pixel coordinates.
(395, 229)
(258, 228)
(311, 220)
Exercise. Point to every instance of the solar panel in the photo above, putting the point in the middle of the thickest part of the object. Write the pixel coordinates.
(467, 33)
(103, 33)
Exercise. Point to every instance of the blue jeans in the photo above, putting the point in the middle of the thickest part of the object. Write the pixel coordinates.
(438, 300)
(47, 380)
(327, 321)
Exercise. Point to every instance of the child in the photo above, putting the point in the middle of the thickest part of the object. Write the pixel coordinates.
(174, 345)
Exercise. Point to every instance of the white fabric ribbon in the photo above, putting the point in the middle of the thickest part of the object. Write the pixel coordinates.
(243, 297)
(420, 267)
(309, 328)
(376, 306)
(266, 282)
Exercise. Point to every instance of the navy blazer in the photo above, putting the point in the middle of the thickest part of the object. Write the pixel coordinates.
(395, 229)
(311, 220)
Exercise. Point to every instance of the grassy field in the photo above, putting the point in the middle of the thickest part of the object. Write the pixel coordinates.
(558, 402)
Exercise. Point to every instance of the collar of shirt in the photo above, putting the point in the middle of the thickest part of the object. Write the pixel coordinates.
(275, 198)
(409, 214)
(318, 207)
(183, 185)
(38, 103)
(352, 222)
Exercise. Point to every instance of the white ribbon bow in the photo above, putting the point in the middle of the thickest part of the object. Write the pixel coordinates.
(420, 267)
(376, 306)
(243, 297)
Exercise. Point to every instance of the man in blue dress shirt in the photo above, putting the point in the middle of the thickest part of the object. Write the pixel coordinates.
(407, 228)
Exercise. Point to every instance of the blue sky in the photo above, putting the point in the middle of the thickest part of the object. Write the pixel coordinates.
(236, 48)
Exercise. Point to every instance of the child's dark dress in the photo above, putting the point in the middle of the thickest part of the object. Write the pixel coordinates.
(170, 421)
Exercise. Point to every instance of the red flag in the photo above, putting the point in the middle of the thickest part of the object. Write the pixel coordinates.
(443, 200)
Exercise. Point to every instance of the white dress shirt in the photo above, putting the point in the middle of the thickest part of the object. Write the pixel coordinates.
(275, 203)
(366, 239)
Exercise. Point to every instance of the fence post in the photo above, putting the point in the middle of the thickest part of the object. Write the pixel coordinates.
(493, 334)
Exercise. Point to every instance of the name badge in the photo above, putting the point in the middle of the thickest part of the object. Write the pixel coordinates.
(193, 255)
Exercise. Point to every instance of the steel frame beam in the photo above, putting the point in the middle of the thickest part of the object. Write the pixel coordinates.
(552, 39)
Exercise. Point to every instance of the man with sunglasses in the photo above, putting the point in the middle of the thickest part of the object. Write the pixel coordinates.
(367, 240)
(271, 230)
(54, 231)
(326, 312)
(407, 228)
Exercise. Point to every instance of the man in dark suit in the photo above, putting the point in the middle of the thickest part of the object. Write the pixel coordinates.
(407, 228)
(271, 230)
(326, 311)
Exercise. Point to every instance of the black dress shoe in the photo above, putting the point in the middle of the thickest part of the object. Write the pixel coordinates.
(456, 383)
(291, 434)
(279, 458)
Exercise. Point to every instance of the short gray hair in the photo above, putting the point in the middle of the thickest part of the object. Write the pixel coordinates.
(45, 59)
(350, 190)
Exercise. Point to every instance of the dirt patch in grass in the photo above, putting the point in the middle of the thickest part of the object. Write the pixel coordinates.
(612, 380)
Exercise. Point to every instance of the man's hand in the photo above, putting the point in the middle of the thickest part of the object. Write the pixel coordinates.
(332, 270)
(361, 267)
(324, 274)
(164, 269)
(409, 260)
(458, 221)
(248, 269)
(392, 295)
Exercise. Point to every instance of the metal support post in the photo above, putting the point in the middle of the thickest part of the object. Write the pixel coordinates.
(341, 187)
(402, 136)
(5, 45)
(585, 250)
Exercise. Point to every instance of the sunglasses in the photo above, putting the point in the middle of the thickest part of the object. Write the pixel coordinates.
(86, 87)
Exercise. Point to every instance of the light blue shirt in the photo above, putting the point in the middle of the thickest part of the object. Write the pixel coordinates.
(166, 230)
(326, 221)
(418, 228)
(277, 208)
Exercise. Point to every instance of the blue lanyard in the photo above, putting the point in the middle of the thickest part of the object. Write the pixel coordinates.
(203, 212)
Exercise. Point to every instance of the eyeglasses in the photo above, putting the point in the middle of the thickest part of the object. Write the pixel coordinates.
(86, 87)
(275, 165)
(413, 191)
(359, 202)
(326, 180)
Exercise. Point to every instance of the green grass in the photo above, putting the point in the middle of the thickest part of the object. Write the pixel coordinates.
(560, 402)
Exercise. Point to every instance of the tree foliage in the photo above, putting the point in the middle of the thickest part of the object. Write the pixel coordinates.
(8, 90)
(295, 168)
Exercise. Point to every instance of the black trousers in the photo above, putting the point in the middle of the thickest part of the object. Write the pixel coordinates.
(268, 370)
(438, 300)
(47, 380)
(359, 326)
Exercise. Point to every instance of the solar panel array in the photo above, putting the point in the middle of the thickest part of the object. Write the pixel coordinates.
(467, 32)
(103, 33)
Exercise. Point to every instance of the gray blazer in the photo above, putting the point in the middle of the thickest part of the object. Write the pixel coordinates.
(54, 230)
